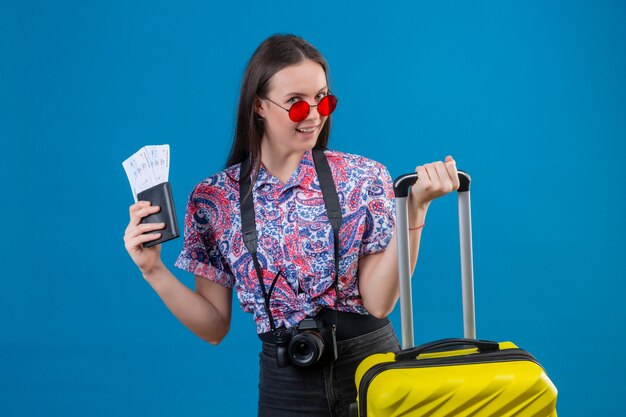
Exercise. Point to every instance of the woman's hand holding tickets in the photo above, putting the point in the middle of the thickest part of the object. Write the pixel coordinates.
(434, 180)
(145, 258)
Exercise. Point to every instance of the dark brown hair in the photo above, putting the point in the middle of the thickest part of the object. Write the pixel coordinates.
(274, 54)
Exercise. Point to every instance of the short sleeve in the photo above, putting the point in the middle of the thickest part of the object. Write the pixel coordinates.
(200, 254)
(380, 220)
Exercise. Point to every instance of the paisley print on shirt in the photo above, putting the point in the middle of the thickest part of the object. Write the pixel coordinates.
(295, 236)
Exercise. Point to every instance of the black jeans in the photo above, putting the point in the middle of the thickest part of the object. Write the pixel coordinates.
(320, 389)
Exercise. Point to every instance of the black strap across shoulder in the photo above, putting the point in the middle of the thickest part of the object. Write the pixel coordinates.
(248, 222)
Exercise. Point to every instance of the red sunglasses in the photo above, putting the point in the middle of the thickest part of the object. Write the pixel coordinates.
(300, 109)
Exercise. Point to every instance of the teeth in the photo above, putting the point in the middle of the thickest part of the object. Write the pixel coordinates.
(308, 130)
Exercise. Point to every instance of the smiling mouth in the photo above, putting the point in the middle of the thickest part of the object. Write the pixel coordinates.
(307, 129)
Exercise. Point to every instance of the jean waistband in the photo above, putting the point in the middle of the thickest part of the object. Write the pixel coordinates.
(349, 325)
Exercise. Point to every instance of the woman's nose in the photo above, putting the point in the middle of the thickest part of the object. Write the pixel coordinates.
(313, 113)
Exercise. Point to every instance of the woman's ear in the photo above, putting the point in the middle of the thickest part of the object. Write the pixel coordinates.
(259, 109)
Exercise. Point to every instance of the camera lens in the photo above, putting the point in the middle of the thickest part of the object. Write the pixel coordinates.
(305, 348)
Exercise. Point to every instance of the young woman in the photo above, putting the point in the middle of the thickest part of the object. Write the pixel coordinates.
(315, 328)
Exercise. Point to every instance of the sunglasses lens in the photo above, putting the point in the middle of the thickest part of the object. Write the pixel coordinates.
(327, 105)
(299, 111)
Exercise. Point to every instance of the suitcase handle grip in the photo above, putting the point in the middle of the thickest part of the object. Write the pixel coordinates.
(481, 345)
(402, 184)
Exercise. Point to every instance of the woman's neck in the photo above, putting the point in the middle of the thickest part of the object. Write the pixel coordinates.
(280, 164)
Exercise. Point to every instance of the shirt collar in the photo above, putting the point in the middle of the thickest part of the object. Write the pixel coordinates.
(304, 175)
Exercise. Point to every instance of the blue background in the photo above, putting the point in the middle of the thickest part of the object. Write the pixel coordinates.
(528, 96)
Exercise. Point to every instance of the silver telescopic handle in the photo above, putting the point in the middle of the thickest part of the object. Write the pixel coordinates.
(401, 190)
(404, 270)
(467, 265)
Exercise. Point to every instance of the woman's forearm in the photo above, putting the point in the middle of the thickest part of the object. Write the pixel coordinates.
(192, 309)
(378, 274)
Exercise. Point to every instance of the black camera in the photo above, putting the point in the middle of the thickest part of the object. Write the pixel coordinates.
(311, 342)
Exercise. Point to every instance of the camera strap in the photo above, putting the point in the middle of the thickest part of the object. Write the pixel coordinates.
(250, 237)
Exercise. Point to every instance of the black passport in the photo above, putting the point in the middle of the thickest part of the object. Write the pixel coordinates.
(160, 195)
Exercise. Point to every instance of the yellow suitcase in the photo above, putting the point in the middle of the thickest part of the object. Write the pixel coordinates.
(450, 377)
(495, 380)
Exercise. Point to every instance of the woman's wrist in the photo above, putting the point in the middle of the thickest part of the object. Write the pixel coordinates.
(417, 214)
(155, 272)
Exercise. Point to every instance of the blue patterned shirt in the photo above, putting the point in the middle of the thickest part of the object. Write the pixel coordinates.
(295, 236)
